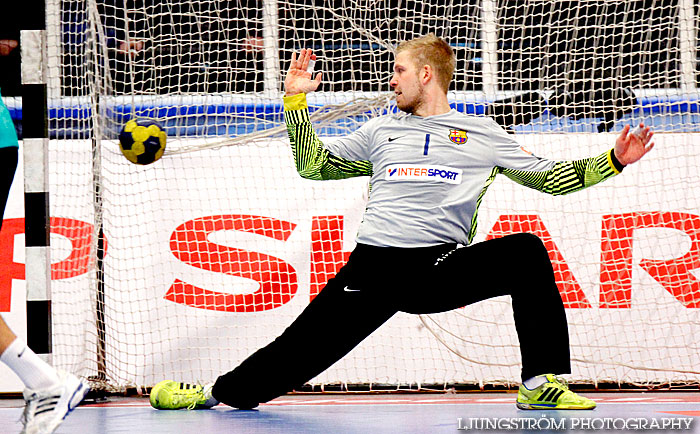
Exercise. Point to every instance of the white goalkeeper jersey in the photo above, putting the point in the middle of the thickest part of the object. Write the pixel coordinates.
(428, 174)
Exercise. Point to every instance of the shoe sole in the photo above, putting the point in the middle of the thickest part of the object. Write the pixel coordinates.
(524, 406)
(77, 397)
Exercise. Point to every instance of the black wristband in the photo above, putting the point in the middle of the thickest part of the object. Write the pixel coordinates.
(619, 166)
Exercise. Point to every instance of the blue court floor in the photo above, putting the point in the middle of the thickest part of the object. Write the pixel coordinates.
(668, 412)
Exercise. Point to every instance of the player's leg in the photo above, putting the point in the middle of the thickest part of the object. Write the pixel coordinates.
(516, 265)
(343, 314)
(34, 372)
(50, 395)
(519, 266)
(334, 323)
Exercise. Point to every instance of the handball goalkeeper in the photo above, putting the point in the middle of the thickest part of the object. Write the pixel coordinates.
(430, 166)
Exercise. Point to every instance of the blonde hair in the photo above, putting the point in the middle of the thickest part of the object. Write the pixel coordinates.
(433, 51)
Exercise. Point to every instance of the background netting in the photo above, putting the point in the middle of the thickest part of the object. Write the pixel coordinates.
(184, 267)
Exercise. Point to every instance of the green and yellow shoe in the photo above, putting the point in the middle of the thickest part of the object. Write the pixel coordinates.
(553, 395)
(171, 395)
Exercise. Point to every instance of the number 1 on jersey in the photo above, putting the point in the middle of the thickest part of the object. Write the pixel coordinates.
(427, 144)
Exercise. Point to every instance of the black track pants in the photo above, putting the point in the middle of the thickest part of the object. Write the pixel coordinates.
(377, 282)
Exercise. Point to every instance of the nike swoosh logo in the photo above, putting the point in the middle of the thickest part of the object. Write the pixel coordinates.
(21, 352)
(347, 289)
(391, 139)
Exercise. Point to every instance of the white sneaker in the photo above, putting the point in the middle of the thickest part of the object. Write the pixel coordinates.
(46, 408)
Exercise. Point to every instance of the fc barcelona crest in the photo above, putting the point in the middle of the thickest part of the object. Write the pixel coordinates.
(458, 136)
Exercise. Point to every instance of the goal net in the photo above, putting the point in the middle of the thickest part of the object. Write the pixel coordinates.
(182, 268)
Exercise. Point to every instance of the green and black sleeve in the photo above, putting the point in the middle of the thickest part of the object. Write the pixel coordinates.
(568, 176)
(311, 159)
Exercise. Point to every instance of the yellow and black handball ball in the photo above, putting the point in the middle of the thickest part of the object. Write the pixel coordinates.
(142, 141)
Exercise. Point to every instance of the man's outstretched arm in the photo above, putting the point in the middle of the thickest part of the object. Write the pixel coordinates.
(311, 159)
(570, 176)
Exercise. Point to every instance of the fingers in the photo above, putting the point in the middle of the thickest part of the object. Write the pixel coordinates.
(624, 134)
(293, 62)
(304, 57)
(299, 78)
(645, 136)
(632, 145)
(648, 148)
(301, 62)
(641, 134)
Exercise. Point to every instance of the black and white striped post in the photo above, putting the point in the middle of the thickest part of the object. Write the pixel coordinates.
(36, 179)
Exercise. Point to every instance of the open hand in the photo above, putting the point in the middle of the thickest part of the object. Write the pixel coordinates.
(630, 147)
(298, 79)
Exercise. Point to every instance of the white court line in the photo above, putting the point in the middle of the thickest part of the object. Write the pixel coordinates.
(495, 399)
(642, 398)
